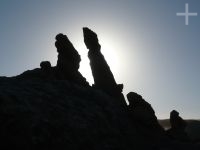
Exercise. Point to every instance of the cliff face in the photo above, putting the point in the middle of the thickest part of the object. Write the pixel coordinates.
(59, 113)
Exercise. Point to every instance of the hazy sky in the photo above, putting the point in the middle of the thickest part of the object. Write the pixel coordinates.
(149, 49)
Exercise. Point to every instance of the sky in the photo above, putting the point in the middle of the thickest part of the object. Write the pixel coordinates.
(148, 47)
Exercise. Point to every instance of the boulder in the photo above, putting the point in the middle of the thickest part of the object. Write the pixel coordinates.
(142, 111)
(178, 125)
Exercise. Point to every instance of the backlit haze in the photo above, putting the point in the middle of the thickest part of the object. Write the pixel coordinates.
(149, 49)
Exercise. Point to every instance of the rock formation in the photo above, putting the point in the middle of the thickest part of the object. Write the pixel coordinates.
(176, 121)
(142, 111)
(178, 125)
(68, 61)
(103, 77)
(45, 66)
(46, 70)
(55, 108)
(66, 68)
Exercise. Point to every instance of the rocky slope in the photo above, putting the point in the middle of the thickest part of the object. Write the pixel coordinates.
(53, 113)
(43, 113)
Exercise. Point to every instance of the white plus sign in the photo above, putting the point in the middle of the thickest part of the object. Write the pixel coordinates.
(187, 14)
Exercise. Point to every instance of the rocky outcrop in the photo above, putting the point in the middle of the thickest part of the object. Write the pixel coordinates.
(66, 68)
(68, 61)
(142, 111)
(55, 108)
(176, 121)
(103, 77)
(178, 125)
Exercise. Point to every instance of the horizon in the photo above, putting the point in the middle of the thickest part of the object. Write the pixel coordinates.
(147, 46)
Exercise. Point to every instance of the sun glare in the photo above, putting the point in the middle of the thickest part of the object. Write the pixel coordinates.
(111, 55)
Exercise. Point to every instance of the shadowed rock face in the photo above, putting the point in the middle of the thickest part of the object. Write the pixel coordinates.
(178, 125)
(91, 40)
(46, 70)
(68, 61)
(68, 57)
(143, 112)
(176, 121)
(54, 113)
(103, 77)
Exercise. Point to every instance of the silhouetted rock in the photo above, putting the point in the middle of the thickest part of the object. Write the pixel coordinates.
(103, 77)
(68, 61)
(45, 65)
(56, 113)
(49, 108)
(47, 70)
(66, 68)
(142, 111)
(36, 73)
(68, 57)
(176, 121)
(178, 125)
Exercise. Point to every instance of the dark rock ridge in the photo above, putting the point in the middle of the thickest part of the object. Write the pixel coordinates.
(54, 107)
(57, 113)
(52, 114)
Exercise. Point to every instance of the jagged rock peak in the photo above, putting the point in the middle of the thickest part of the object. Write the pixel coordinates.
(91, 39)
